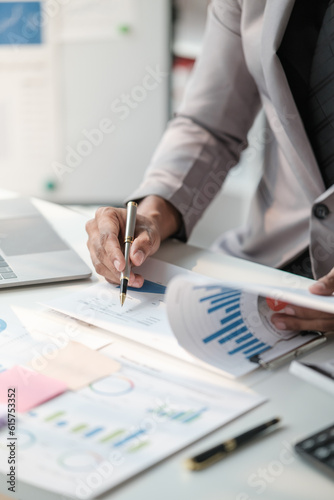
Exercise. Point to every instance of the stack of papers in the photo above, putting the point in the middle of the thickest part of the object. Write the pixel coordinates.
(94, 416)
(199, 319)
(88, 441)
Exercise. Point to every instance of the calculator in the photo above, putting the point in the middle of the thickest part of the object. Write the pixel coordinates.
(319, 448)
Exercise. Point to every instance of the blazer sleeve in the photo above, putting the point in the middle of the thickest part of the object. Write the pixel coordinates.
(206, 137)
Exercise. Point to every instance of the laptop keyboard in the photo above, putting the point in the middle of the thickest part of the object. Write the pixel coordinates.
(6, 272)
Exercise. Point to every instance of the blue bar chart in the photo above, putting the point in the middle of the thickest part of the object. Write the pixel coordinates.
(234, 331)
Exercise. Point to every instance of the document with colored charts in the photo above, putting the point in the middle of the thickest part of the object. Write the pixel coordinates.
(230, 328)
(224, 325)
(83, 443)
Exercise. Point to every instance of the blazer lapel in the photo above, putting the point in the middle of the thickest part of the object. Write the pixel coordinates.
(276, 17)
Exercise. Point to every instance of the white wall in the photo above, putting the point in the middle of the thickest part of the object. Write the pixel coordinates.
(85, 108)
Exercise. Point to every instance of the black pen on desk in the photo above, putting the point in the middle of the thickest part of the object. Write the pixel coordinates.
(220, 451)
(131, 211)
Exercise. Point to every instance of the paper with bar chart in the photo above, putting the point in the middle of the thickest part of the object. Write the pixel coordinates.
(235, 317)
(226, 326)
(81, 444)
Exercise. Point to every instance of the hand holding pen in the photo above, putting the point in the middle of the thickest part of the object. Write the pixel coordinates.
(131, 212)
(156, 220)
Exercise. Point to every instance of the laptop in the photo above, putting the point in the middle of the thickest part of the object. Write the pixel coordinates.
(31, 251)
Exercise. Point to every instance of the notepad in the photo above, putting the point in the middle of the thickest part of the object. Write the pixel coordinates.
(29, 389)
(75, 365)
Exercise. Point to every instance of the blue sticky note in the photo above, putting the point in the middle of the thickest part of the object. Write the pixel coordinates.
(20, 23)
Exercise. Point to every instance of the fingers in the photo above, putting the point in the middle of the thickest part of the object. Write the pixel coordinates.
(303, 313)
(324, 286)
(284, 322)
(298, 318)
(146, 243)
(104, 248)
(106, 231)
(136, 280)
(110, 224)
(97, 252)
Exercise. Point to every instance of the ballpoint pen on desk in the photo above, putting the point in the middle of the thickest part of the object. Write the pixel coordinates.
(131, 211)
(215, 454)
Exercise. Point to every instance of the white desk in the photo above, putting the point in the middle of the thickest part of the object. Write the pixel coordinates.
(304, 408)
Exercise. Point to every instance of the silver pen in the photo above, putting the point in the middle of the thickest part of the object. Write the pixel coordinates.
(131, 211)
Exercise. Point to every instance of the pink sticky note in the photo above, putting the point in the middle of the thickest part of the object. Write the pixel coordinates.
(31, 388)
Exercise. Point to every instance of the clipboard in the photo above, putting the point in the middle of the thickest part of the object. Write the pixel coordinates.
(290, 356)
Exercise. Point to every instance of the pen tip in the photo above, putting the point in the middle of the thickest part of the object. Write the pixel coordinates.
(122, 298)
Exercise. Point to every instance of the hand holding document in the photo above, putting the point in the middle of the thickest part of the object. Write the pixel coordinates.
(224, 325)
(229, 327)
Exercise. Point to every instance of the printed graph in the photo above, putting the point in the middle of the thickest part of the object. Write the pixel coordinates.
(25, 438)
(233, 327)
(85, 433)
(165, 412)
(114, 385)
(79, 460)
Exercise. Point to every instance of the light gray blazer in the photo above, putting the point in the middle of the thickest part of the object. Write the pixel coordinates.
(237, 73)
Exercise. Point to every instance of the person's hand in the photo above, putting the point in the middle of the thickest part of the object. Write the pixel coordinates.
(298, 318)
(105, 234)
(156, 220)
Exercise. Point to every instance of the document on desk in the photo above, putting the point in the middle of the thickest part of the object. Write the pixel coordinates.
(84, 443)
(230, 327)
(57, 357)
(224, 325)
(17, 346)
(143, 316)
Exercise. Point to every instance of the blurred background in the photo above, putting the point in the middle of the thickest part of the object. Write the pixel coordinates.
(86, 90)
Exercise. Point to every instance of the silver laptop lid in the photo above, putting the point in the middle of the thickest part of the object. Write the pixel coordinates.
(30, 249)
